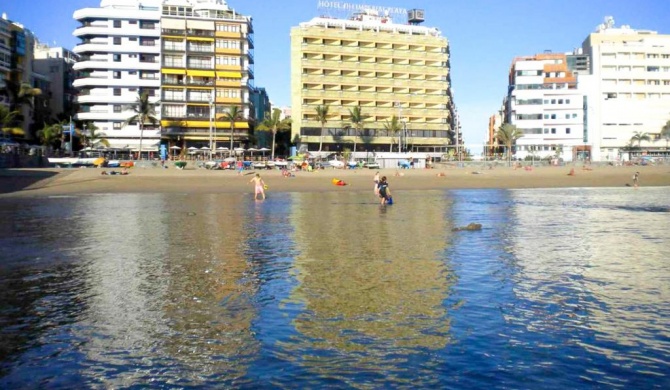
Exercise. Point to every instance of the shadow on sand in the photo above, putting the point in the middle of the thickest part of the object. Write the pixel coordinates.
(13, 180)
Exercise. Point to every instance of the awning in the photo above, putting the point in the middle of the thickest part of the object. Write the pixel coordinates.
(13, 131)
(201, 39)
(233, 75)
(201, 73)
(173, 71)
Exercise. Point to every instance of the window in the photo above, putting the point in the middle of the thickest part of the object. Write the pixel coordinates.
(567, 101)
(567, 116)
(117, 40)
(117, 126)
(132, 72)
(560, 101)
(553, 116)
(132, 22)
(567, 130)
(117, 74)
(117, 91)
(117, 108)
(553, 101)
(553, 130)
(132, 39)
(117, 57)
(117, 24)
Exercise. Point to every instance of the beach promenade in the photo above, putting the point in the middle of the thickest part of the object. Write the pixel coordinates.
(52, 181)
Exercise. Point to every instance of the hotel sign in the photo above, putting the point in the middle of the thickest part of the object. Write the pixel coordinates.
(341, 5)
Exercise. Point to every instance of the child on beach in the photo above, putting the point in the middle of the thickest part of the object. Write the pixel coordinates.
(383, 191)
(259, 186)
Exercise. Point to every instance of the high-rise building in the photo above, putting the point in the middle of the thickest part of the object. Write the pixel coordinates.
(195, 56)
(628, 93)
(16, 69)
(119, 60)
(545, 104)
(207, 68)
(385, 68)
(57, 63)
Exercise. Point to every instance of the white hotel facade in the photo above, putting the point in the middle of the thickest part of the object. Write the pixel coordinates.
(628, 90)
(589, 104)
(125, 51)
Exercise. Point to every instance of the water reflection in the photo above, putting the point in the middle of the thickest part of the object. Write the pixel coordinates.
(371, 280)
(594, 272)
(560, 288)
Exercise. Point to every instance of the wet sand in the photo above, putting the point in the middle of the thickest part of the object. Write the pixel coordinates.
(53, 181)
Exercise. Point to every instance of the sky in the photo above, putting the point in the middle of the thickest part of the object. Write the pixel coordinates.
(484, 37)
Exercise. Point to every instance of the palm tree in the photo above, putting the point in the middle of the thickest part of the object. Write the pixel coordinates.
(357, 118)
(274, 123)
(234, 114)
(6, 117)
(94, 137)
(665, 133)
(393, 127)
(20, 94)
(50, 134)
(322, 117)
(144, 111)
(639, 137)
(508, 134)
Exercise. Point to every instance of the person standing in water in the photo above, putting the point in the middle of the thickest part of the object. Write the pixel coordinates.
(636, 178)
(259, 186)
(384, 191)
(376, 180)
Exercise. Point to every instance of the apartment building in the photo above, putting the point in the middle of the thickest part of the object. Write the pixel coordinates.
(385, 68)
(193, 55)
(16, 68)
(628, 91)
(57, 65)
(545, 104)
(119, 60)
(207, 68)
(5, 56)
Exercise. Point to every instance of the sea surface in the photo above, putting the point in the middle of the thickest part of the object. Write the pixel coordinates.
(561, 289)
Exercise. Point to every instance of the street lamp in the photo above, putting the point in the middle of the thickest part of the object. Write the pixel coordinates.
(212, 140)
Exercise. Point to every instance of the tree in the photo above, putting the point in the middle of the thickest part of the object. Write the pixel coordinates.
(6, 117)
(144, 111)
(508, 134)
(234, 114)
(274, 123)
(93, 137)
(50, 134)
(322, 117)
(665, 133)
(639, 137)
(20, 94)
(356, 118)
(393, 127)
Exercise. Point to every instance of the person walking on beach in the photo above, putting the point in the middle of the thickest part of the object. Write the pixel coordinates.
(259, 186)
(376, 180)
(383, 191)
(636, 178)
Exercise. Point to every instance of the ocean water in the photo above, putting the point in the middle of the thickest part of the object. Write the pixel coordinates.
(561, 289)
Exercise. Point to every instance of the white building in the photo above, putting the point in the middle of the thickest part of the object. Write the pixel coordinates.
(628, 91)
(546, 105)
(120, 58)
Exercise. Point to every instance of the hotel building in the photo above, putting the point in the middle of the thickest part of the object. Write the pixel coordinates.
(194, 56)
(387, 69)
(628, 90)
(545, 104)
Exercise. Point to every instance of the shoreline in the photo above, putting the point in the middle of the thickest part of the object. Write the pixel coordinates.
(57, 181)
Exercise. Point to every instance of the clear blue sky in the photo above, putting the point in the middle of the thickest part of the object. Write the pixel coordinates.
(485, 35)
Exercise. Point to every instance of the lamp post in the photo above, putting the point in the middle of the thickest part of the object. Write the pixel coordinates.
(212, 140)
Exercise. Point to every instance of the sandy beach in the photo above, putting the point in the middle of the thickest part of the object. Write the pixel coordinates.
(53, 181)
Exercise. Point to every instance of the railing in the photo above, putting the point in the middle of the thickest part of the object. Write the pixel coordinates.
(200, 33)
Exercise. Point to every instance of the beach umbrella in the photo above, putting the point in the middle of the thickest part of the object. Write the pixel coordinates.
(174, 150)
(192, 148)
(239, 150)
(221, 149)
(264, 150)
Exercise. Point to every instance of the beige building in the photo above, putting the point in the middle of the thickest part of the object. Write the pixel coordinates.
(385, 68)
